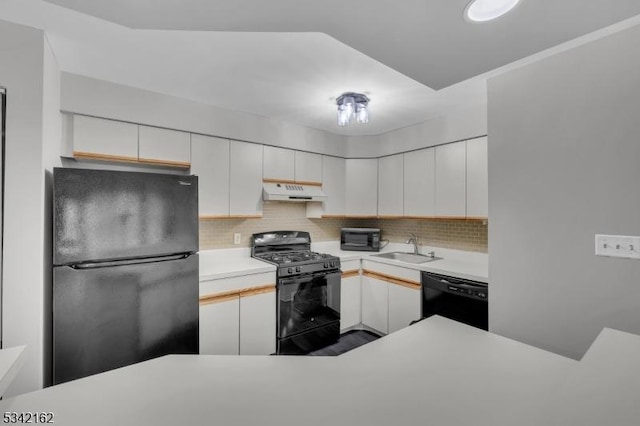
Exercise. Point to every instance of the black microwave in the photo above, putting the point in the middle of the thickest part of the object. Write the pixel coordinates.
(360, 239)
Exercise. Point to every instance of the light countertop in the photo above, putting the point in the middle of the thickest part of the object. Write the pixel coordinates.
(436, 372)
(218, 264)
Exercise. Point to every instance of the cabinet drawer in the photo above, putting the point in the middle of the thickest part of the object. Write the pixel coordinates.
(391, 271)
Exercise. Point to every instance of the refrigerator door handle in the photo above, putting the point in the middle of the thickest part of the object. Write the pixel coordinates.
(94, 265)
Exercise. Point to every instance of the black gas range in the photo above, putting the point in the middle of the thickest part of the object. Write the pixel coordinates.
(307, 289)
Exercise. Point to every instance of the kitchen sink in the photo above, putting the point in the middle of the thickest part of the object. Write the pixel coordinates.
(407, 257)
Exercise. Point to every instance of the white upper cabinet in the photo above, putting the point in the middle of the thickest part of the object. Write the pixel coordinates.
(245, 180)
(278, 164)
(361, 195)
(451, 180)
(477, 178)
(333, 185)
(420, 183)
(210, 162)
(391, 186)
(104, 139)
(164, 146)
(308, 167)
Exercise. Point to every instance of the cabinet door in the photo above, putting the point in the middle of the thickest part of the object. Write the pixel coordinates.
(404, 306)
(245, 180)
(375, 299)
(350, 302)
(308, 167)
(104, 139)
(164, 146)
(451, 180)
(391, 186)
(210, 162)
(420, 183)
(220, 326)
(258, 324)
(361, 197)
(278, 164)
(333, 184)
(477, 178)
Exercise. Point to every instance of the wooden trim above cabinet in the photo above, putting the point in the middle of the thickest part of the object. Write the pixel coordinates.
(232, 294)
(168, 163)
(229, 216)
(352, 273)
(392, 279)
(308, 183)
(291, 182)
(81, 155)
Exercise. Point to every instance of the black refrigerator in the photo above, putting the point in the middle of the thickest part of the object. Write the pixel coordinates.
(125, 275)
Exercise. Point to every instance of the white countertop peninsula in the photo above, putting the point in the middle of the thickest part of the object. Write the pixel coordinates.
(435, 372)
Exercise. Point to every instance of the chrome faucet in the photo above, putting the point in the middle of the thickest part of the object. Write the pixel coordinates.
(414, 239)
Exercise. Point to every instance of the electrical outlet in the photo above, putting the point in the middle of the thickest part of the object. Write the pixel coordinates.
(618, 246)
(237, 237)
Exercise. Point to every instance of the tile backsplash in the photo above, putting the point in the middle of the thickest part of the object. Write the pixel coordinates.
(454, 234)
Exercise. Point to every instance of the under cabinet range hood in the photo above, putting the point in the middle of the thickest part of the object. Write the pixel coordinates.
(282, 191)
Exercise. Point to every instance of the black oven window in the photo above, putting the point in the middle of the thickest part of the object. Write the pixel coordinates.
(357, 239)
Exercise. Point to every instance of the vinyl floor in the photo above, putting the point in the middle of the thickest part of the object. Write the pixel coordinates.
(348, 341)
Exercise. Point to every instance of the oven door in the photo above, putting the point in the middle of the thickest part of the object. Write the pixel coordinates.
(307, 302)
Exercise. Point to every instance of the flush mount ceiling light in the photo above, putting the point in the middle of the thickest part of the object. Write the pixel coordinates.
(486, 10)
(352, 105)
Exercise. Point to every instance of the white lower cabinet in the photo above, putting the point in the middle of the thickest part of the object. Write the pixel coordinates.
(258, 324)
(350, 301)
(404, 306)
(375, 304)
(220, 326)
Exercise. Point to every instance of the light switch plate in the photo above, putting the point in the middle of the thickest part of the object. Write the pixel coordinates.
(618, 246)
(237, 237)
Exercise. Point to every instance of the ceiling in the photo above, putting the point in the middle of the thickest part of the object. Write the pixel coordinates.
(289, 59)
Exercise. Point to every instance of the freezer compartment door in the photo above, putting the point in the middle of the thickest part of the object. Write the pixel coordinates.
(105, 318)
(104, 215)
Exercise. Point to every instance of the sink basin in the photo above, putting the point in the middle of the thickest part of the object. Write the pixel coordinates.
(407, 257)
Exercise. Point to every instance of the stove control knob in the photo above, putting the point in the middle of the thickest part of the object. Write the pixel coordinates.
(326, 265)
(333, 263)
(290, 270)
(297, 269)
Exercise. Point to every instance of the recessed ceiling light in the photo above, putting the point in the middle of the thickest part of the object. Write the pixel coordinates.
(486, 10)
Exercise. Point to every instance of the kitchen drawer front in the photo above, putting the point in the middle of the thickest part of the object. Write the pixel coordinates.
(350, 265)
(237, 284)
(398, 272)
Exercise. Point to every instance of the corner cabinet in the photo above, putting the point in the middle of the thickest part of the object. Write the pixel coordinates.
(210, 161)
(391, 186)
(350, 295)
(245, 179)
(391, 296)
(333, 185)
(361, 187)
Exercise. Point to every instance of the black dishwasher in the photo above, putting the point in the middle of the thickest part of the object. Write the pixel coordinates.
(458, 299)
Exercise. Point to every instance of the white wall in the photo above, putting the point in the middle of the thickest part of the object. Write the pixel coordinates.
(466, 123)
(22, 60)
(100, 98)
(563, 165)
